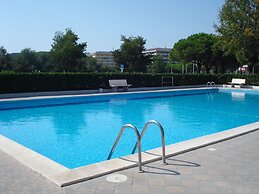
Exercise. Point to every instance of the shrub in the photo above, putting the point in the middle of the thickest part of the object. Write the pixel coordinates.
(36, 82)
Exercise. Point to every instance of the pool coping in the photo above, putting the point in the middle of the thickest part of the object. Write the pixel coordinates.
(63, 176)
(25, 98)
(102, 94)
(83, 92)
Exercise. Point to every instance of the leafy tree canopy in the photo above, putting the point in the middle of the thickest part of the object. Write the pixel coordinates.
(196, 48)
(158, 65)
(66, 52)
(25, 61)
(223, 60)
(131, 54)
(239, 29)
(89, 64)
(4, 58)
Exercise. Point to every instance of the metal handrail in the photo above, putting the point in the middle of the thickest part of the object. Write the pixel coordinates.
(211, 84)
(167, 82)
(162, 137)
(138, 143)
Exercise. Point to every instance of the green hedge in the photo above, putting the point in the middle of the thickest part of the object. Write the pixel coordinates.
(35, 82)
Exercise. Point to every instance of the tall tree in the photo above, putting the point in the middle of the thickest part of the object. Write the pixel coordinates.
(131, 54)
(89, 64)
(66, 52)
(180, 51)
(25, 61)
(158, 65)
(222, 60)
(4, 59)
(239, 29)
(45, 63)
(196, 48)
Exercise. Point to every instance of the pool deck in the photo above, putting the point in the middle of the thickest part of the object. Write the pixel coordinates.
(230, 166)
(63, 176)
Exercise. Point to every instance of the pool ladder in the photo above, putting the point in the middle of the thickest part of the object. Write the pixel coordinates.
(210, 84)
(138, 143)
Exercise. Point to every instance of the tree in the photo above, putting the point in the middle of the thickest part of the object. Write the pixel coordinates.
(158, 65)
(222, 60)
(89, 64)
(66, 52)
(25, 61)
(181, 51)
(4, 59)
(196, 48)
(239, 29)
(45, 63)
(131, 54)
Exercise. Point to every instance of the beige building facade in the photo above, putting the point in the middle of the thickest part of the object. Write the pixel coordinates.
(104, 58)
(164, 52)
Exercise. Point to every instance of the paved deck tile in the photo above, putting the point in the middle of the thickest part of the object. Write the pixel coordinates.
(228, 167)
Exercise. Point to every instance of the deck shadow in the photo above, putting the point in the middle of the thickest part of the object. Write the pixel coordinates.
(184, 162)
(167, 171)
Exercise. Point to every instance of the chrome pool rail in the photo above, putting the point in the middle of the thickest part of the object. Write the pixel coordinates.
(138, 144)
(162, 137)
(210, 84)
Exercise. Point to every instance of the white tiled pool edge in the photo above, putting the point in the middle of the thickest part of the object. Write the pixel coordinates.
(63, 176)
(104, 94)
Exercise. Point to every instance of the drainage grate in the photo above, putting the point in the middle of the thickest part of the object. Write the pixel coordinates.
(116, 178)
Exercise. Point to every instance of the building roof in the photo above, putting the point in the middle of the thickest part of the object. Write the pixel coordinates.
(158, 50)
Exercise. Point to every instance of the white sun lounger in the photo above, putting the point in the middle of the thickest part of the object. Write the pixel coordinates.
(236, 81)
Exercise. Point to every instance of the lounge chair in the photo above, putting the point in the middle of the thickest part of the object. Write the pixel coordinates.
(236, 81)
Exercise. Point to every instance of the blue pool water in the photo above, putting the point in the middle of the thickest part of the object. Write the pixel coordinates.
(83, 133)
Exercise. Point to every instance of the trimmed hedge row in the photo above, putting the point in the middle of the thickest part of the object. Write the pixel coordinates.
(35, 82)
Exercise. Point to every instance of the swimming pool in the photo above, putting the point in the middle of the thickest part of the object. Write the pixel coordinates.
(77, 131)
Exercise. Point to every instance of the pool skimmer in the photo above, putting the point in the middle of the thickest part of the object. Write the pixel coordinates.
(116, 178)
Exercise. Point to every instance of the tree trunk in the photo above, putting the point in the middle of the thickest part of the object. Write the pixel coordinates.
(250, 68)
(217, 68)
(199, 68)
(207, 69)
(223, 69)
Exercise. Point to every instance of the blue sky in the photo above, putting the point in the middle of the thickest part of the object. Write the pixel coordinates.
(100, 23)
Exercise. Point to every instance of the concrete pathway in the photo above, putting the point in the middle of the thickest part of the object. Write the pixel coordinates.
(228, 167)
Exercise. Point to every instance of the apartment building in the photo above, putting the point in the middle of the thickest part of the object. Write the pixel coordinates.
(164, 52)
(104, 58)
